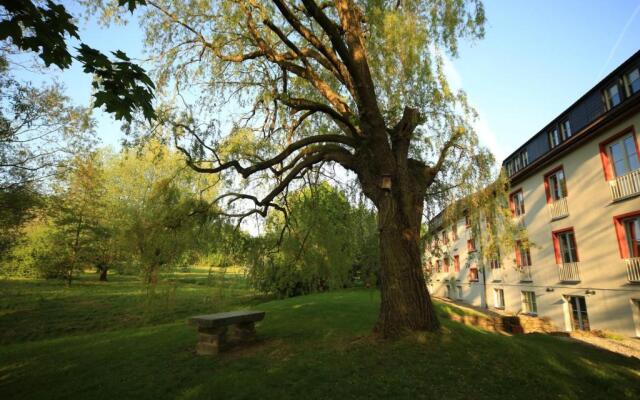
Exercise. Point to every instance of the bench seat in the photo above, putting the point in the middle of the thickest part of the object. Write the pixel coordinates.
(226, 318)
(212, 329)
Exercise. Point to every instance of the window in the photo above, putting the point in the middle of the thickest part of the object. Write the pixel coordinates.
(446, 264)
(517, 164)
(471, 245)
(555, 185)
(467, 220)
(632, 233)
(495, 261)
(516, 200)
(620, 154)
(612, 96)
(564, 244)
(498, 298)
(554, 138)
(579, 315)
(525, 158)
(523, 257)
(510, 168)
(628, 232)
(438, 265)
(454, 231)
(473, 274)
(623, 155)
(565, 129)
(456, 263)
(633, 81)
(529, 305)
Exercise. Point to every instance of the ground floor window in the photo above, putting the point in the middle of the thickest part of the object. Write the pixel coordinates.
(635, 303)
(498, 298)
(473, 274)
(529, 304)
(578, 313)
(459, 292)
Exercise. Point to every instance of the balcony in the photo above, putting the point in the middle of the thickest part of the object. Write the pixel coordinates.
(569, 272)
(624, 186)
(518, 220)
(633, 269)
(558, 209)
(525, 273)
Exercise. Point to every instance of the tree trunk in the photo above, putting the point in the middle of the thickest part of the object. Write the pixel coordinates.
(103, 273)
(405, 302)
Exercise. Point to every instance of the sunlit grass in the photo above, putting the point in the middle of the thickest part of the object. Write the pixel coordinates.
(91, 341)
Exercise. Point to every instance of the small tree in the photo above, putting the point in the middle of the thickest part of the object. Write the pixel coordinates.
(158, 207)
(78, 212)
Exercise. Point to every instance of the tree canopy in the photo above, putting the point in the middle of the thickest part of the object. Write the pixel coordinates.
(297, 85)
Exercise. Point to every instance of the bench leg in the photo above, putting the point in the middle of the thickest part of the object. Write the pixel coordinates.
(246, 331)
(211, 340)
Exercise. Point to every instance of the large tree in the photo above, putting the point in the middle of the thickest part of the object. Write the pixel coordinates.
(274, 88)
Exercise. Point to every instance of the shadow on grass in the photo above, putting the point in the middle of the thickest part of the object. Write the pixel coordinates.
(316, 347)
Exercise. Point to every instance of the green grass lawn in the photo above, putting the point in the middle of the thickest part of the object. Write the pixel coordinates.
(311, 347)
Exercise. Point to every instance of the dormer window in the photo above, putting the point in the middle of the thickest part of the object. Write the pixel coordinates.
(612, 96)
(632, 81)
(510, 168)
(565, 129)
(554, 138)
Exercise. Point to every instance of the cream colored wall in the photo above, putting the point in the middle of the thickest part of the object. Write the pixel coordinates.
(591, 213)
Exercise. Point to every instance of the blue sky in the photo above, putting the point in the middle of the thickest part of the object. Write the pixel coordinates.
(536, 59)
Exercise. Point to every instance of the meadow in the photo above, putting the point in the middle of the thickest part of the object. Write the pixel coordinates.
(122, 340)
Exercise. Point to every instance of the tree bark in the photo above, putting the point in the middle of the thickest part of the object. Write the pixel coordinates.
(103, 273)
(405, 302)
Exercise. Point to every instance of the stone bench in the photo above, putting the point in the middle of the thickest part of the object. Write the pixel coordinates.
(212, 329)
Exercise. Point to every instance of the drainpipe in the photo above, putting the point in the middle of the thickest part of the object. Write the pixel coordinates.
(484, 288)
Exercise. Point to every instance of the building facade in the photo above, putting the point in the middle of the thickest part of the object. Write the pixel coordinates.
(575, 186)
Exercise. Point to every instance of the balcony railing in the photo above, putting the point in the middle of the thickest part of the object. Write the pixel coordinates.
(633, 269)
(518, 220)
(625, 186)
(558, 208)
(569, 272)
(525, 274)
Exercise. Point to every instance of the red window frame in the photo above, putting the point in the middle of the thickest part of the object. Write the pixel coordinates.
(495, 264)
(556, 243)
(456, 263)
(445, 237)
(454, 231)
(512, 205)
(609, 174)
(547, 188)
(519, 256)
(473, 274)
(471, 246)
(438, 265)
(621, 234)
(446, 264)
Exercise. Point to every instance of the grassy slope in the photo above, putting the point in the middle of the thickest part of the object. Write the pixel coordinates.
(311, 347)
